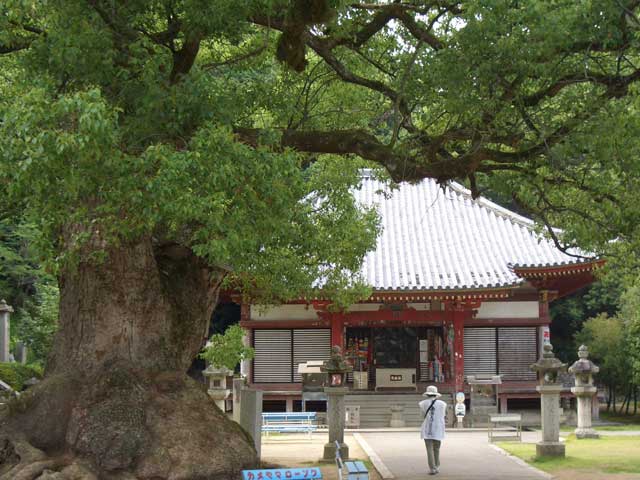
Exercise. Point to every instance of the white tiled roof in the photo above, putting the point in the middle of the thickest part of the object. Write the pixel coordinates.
(444, 240)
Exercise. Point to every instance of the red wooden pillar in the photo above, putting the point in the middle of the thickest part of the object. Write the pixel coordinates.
(545, 296)
(245, 311)
(459, 314)
(543, 307)
(337, 330)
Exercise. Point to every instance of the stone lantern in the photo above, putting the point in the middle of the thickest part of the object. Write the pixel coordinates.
(336, 369)
(217, 384)
(583, 369)
(548, 368)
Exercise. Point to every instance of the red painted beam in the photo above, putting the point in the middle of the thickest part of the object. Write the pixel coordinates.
(255, 324)
(388, 317)
(506, 322)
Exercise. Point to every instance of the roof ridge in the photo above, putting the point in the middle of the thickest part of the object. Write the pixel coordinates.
(367, 173)
(517, 218)
(493, 206)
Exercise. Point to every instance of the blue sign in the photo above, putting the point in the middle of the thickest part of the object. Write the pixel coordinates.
(282, 474)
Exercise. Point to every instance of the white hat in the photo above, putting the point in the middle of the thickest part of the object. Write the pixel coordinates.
(432, 391)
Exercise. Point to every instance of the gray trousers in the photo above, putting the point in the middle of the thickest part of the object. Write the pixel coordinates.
(433, 453)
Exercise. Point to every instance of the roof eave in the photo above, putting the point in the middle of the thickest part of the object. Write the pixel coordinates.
(529, 271)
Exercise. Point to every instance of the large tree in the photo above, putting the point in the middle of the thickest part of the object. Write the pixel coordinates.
(167, 146)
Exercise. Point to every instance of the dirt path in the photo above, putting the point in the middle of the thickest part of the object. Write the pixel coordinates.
(297, 450)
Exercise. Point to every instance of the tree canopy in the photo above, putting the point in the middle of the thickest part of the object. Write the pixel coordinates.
(174, 118)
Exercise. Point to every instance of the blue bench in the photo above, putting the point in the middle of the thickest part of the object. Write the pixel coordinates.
(354, 470)
(283, 474)
(289, 422)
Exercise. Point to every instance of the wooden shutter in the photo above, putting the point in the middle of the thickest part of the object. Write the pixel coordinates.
(310, 344)
(480, 351)
(517, 349)
(272, 362)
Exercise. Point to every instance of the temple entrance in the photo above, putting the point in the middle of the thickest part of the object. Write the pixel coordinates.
(396, 358)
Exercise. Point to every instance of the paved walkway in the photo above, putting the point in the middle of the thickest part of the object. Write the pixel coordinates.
(463, 456)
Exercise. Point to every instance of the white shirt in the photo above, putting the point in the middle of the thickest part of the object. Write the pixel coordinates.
(433, 424)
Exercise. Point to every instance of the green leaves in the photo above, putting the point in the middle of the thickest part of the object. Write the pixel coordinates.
(606, 338)
(254, 211)
(227, 350)
(630, 315)
(27, 288)
(117, 123)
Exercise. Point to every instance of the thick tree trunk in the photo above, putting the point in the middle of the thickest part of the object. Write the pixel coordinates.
(116, 400)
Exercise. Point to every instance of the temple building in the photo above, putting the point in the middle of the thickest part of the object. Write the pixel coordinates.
(461, 288)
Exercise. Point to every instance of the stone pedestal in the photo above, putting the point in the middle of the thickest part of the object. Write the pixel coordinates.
(251, 415)
(397, 416)
(550, 410)
(336, 420)
(584, 396)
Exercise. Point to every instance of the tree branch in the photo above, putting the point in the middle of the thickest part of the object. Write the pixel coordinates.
(422, 34)
(616, 85)
(238, 59)
(16, 47)
(184, 58)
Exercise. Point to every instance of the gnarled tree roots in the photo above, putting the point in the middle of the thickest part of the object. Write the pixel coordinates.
(120, 424)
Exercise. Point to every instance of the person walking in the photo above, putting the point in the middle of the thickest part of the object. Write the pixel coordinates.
(432, 431)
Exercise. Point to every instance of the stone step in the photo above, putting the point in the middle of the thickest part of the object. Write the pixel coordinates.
(375, 410)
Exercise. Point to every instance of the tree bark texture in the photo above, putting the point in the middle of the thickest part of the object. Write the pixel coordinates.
(116, 401)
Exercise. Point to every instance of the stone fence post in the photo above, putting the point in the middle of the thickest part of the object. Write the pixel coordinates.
(251, 415)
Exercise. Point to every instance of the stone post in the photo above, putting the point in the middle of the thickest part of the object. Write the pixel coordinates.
(21, 353)
(238, 386)
(5, 310)
(251, 415)
(595, 407)
(548, 368)
(397, 416)
(336, 369)
(336, 419)
(583, 369)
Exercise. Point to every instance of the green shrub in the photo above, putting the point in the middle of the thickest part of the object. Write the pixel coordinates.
(15, 374)
(227, 350)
